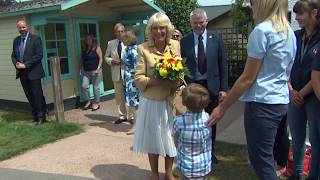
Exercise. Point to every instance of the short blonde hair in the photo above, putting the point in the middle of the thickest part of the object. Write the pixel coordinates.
(195, 97)
(159, 19)
(274, 10)
(131, 38)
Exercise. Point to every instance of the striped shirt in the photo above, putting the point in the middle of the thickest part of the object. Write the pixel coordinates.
(194, 144)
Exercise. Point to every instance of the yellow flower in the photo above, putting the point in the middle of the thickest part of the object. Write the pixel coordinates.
(167, 56)
(179, 65)
(163, 72)
(173, 66)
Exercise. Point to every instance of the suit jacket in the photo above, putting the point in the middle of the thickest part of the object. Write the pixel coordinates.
(32, 57)
(111, 53)
(147, 54)
(217, 67)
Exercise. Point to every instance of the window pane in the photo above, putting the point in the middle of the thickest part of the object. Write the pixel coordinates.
(92, 29)
(64, 66)
(62, 48)
(61, 32)
(49, 30)
(49, 67)
(56, 45)
(83, 30)
(51, 54)
(51, 44)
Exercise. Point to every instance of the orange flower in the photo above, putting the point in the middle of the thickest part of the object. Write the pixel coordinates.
(172, 60)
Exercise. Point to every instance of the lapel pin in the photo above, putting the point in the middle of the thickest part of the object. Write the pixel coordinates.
(210, 37)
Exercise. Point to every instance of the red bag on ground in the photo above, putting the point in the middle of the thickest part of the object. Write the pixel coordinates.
(306, 161)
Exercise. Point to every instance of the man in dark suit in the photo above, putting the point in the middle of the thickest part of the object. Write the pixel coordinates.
(206, 60)
(26, 57)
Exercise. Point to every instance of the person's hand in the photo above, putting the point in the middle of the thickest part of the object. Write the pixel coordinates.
(222, 95)
(116, 62)
(20, 65)
(98, 70)
(216, 115)
(296, 98)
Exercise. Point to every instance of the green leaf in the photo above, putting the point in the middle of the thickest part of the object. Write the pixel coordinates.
(179, 12)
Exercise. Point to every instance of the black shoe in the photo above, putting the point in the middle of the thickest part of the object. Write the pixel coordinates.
(40, 121)
(119, 121)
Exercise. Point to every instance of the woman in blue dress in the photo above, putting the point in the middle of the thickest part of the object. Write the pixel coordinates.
(130, 90)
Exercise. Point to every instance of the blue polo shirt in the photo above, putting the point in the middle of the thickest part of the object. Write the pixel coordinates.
(277, 52)
(316, 57)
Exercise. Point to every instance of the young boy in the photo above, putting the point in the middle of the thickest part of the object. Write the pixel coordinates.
(192, 137)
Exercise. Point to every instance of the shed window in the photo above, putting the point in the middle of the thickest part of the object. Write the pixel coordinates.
(56, 45)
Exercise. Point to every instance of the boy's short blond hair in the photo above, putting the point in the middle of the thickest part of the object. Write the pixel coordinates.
(195, 97)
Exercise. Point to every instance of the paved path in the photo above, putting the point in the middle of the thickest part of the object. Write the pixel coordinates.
(13, 174)
(103, 151)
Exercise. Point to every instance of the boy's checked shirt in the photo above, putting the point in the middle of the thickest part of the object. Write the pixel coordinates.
(194, 144)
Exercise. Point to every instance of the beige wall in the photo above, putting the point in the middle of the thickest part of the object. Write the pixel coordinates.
(10, 88)
(68, 90)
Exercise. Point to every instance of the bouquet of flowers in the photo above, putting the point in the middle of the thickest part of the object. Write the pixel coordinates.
(170, 67)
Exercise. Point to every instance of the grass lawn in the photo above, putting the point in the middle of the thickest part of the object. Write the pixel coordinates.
(233, 163)
(18, 134)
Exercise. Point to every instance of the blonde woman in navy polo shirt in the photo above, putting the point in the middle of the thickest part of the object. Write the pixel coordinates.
(264, 83)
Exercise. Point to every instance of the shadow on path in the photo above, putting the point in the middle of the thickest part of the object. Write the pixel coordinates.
(120, 172)
(107, 123)
(112, 127)
(101, 117)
